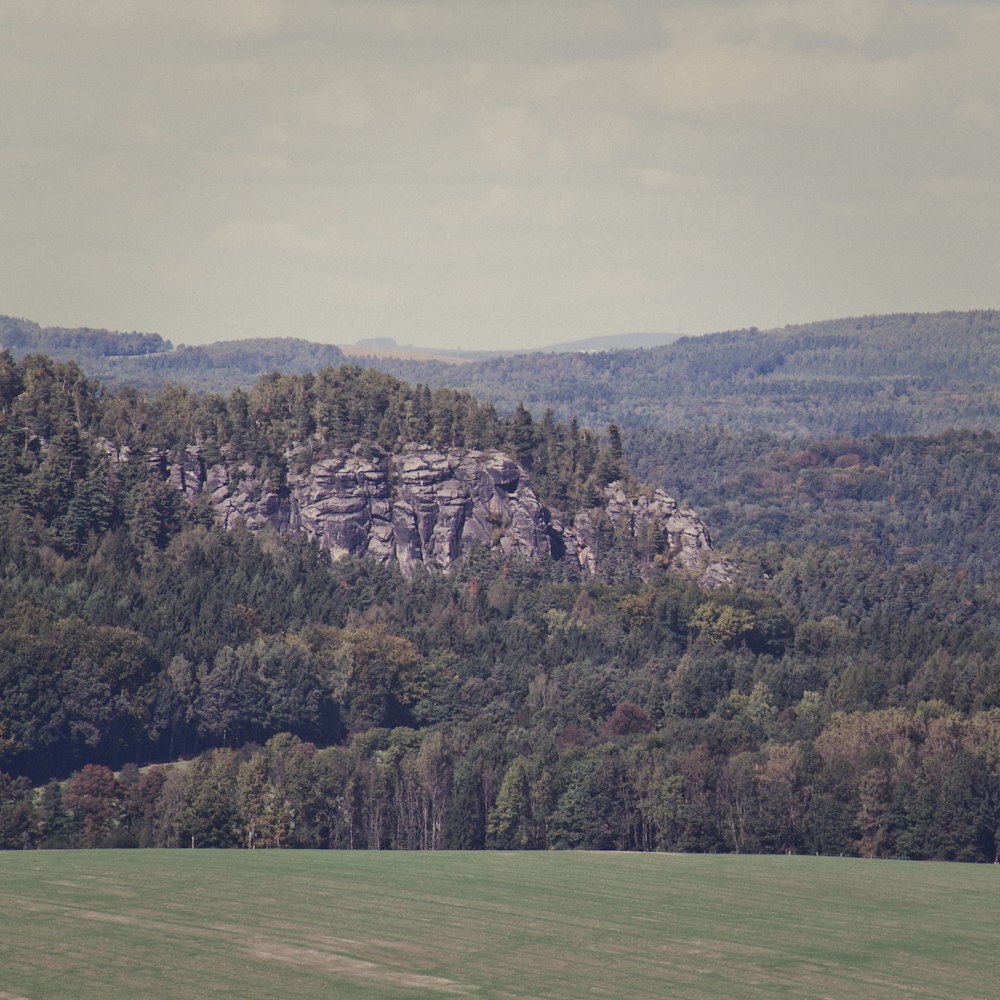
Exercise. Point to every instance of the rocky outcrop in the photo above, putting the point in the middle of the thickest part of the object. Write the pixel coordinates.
(657, 529)
(422, 507)
(419, 507)
(242, 496)
(656, 524)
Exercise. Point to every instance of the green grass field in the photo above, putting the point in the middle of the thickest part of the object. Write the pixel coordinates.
(199, 924)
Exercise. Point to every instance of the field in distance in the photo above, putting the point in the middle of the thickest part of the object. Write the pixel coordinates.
(201, 924)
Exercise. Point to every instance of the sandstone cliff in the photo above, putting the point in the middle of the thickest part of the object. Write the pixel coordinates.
(660, 528)
(422, 507)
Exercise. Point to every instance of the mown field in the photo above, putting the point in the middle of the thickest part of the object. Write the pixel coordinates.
(201, 924)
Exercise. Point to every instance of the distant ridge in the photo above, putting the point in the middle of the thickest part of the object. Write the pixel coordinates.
(905, 373)
(611, 342)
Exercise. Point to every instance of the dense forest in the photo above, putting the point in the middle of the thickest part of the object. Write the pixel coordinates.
(165, 682)
(147, 360)
(900, 374)
(21, 336)
(917, 373)
(908, 498)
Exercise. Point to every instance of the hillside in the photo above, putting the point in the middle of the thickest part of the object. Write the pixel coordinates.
(21, 336)
(241, 454)
(146, 360)
(909, 498)
(826, 701)
(899, 374)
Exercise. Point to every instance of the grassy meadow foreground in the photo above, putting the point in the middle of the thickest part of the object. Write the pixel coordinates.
(289, 924)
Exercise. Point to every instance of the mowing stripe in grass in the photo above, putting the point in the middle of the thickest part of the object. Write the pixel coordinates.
(187, 924)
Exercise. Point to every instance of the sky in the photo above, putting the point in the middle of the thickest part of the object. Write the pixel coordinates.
(495, 174)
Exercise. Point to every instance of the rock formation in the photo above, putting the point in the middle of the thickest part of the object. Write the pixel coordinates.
(423, 507)
(656, 523)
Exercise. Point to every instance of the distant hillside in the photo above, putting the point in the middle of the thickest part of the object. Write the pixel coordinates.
(147, 360)
(224, 365)
(373, 353)
(22, 336)
(900, 374)
(615, 342)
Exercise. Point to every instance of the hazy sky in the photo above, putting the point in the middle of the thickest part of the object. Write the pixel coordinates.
(484, 174)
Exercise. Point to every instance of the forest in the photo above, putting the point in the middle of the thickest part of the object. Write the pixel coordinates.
(908, 498)
(148, 360)
(164, 682)
(907, 373)
(899, 374)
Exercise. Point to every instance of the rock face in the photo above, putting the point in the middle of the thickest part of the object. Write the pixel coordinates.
(422, 507)
(656, 524)
(418, 507)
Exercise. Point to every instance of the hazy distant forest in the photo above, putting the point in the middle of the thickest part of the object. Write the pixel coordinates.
(842, 697)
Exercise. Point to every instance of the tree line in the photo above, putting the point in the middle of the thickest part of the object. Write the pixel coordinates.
(845, 709)
(887, 783)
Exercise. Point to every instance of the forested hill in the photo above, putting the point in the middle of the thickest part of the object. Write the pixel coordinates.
(929, 498)
(845, 698)
(898, 374)
(834, 702)
(56, 425)
(146, 360)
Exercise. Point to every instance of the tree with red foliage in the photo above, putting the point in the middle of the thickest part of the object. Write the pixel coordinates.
(625, 720)
(96, 797)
